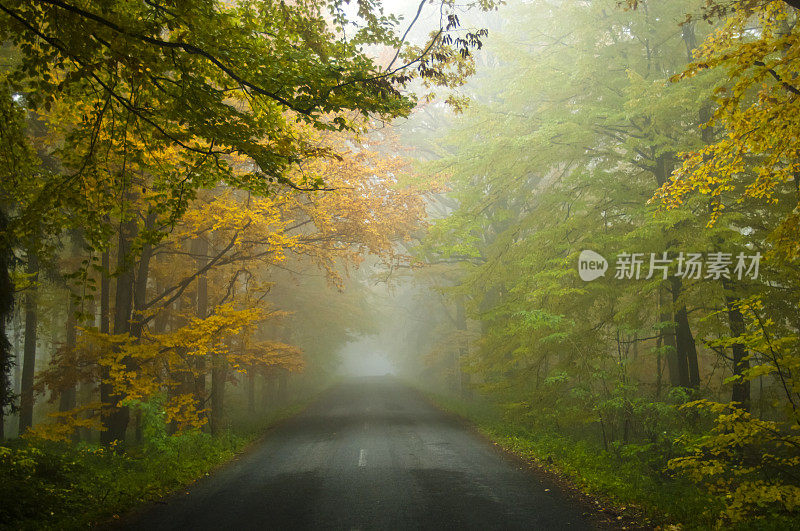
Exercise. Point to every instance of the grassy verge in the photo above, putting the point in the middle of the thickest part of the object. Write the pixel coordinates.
(45, 485)
(631, 487)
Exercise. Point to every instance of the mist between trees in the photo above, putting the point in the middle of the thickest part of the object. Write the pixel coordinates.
(202, 218)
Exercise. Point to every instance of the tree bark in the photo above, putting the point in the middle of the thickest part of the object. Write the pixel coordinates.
(105, 290)
(130, 301)
(200, 250)
(140, 282)
(18, 333)
(11, 390)
(741, 388)
(6, 310)
(116, 416)
(690, 346)
(29, 348)
(218, 377)
(667, 337)
(68, 398)
(186, 376)
(687, 350)
(218, 361)
(685, 359)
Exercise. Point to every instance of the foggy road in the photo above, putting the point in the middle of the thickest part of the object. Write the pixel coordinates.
(368, 454)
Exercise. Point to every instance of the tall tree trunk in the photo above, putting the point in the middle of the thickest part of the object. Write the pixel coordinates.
(683, 368)
(218, 362)
(691, 349)
(6, 310)
(200, 250)
(18, 333)
(105, 290)
(659, 365)
(13, 388)
(681, 362)
(687, 350)
(185, 376)
(104, 317)
(68, 398)
(667, 337)
(29, 349)
(139, 292)
(117, 416)
(741, 388)
(85, 390)
(140, 281)
(139, 302)
(218, 377)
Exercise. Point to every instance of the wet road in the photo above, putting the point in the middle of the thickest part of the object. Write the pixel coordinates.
(369, 454)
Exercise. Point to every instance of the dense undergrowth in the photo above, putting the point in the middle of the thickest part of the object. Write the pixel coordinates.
(57, 485)
(635, 478)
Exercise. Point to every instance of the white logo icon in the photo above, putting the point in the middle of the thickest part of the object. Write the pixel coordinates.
(591, 265)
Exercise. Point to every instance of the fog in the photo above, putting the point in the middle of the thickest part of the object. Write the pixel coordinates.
(365, 357)
(573, 225)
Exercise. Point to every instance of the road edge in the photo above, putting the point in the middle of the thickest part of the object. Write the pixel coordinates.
(601, 511)
(285, 415)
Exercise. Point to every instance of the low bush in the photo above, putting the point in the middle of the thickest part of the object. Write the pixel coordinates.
(61, 485)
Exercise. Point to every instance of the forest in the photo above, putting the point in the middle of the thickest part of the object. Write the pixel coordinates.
(573, 225)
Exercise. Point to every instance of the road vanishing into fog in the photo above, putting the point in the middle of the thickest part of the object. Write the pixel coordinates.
(368, 454)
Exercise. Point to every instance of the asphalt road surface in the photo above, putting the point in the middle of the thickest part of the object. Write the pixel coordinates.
(369, 454)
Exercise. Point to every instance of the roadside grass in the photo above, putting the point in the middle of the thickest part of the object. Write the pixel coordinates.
(49, 485)
(632, 482)
(628, 485)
